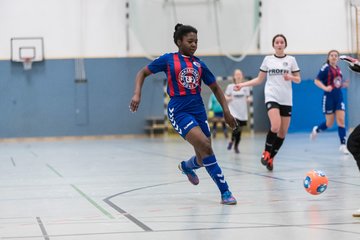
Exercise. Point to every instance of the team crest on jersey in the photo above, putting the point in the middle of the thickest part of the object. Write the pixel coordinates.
(197, 64)
(285, 64)
(337, 82)
(189, 78)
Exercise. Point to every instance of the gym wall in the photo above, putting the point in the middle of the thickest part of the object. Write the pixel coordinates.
(45, 101)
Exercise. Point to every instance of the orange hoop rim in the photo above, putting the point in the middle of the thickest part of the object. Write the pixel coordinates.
(27, 60)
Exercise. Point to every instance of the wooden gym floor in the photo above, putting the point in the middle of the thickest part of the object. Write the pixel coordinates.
(131, 189)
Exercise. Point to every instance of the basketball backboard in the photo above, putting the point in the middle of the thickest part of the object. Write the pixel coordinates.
(27, 50)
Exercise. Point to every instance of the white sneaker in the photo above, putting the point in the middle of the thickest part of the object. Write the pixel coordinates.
(344, 149)
(313, 133)
(356, 213)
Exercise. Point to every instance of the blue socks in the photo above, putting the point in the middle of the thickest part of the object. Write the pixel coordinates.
(212, 168)
(192, 163)
(321, 127)
(215, 172)
(342, 134)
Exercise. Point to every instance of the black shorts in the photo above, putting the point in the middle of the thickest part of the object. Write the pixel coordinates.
(285, 111)
(241, 123)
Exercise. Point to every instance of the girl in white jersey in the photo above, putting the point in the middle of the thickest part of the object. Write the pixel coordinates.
(280, 70)
(238, 106)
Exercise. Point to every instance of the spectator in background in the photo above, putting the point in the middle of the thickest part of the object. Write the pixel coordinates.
(218, 117)
(238, 105)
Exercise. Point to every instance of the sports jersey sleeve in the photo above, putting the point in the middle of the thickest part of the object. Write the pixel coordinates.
(322, 75)
(207, 76)
(247, 91)
(294, 66)
(228, 90)
(264, 66)
(159, 64)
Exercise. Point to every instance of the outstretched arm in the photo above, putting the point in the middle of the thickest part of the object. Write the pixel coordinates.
(139, 81)
(253, 82)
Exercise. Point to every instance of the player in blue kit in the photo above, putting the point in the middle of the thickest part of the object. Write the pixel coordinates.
(330, 80)
(186, 110)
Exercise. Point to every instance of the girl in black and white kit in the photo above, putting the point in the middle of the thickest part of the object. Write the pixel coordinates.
(280, 70)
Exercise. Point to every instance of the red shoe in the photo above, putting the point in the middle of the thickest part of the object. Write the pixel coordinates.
(270, 164)
(267, 161)
(264, 158)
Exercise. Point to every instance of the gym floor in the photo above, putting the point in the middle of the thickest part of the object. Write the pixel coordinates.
(131, 188)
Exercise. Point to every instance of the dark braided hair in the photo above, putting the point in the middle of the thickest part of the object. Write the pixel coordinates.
(181, 30)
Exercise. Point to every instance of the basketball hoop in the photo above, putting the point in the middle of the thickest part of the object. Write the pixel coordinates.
(27, 63)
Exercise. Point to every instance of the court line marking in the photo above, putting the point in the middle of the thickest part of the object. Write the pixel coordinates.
(311, 226)
(42, 228)
(93, 202)
(84, 195)
(13, 162)
(128, 215)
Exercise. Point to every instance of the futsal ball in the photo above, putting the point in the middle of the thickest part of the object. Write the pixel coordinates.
(315, 182)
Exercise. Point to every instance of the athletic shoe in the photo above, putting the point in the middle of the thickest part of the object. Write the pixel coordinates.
(236, 149)
(313, 133)
(348, 59)
(267, 160)
(356, 213)
(227, 198)
(344, 149)
(264, 158)
(354, 63)
(229, 146)
(191, 175)
(270, 164)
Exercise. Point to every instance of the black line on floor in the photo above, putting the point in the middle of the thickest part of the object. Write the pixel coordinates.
(257, 174)
(13, 162)
(346, 183)
(126, 214)
(259, 227)
(42, 228)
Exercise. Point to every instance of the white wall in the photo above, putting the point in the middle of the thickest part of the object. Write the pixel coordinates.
(97, 28)
(310, 26)
(70, 28)
(224, 26)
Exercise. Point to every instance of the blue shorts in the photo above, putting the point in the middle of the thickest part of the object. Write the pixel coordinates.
(332, 104)
(187, 112)
(219, 114)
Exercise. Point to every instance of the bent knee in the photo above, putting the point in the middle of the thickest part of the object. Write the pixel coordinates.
(275, 129)
(205, 148)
